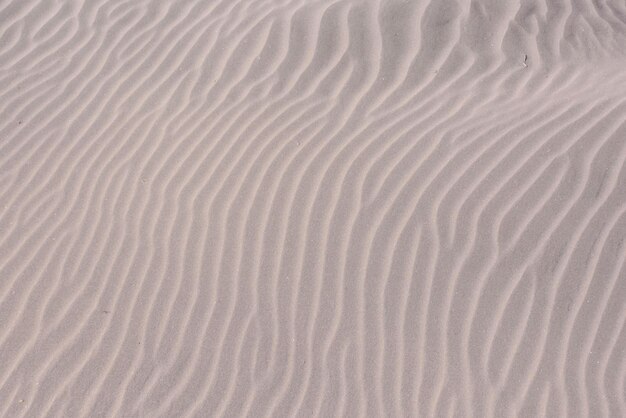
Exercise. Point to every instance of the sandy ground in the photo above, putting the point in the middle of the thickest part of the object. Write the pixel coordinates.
(222, 208)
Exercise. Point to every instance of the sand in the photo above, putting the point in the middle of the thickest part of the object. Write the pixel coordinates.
(217, 208)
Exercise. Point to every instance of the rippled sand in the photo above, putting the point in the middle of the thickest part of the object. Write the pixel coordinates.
(219, 208)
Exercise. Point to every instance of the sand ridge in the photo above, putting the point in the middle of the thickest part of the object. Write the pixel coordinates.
(382, 208)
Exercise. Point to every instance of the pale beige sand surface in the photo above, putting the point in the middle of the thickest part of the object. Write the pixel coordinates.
(248, 208)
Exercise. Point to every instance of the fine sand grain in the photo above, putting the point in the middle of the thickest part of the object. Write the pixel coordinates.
(312, 208)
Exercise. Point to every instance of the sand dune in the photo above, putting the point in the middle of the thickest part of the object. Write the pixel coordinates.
(312, 208)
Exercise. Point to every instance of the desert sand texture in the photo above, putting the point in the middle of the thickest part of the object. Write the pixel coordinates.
(312, 208)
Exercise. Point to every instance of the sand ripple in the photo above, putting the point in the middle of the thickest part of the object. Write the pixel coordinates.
(312, 208)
